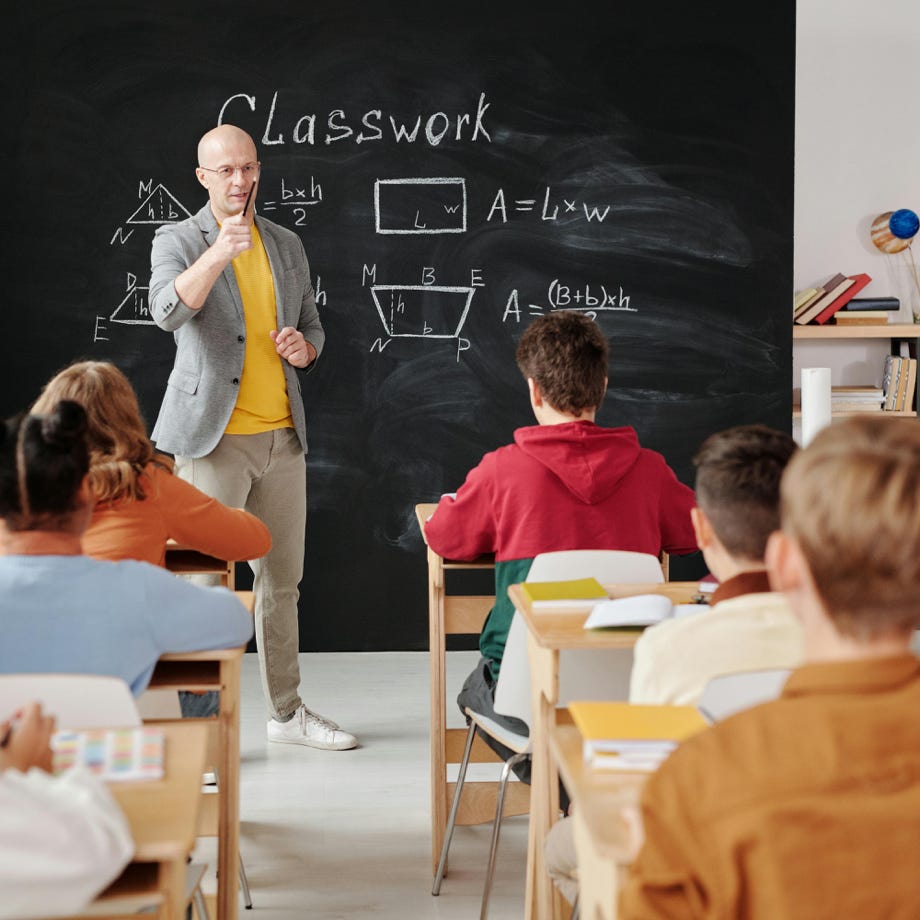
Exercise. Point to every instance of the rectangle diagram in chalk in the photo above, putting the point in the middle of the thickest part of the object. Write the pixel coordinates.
(422, 310)
(436, 205)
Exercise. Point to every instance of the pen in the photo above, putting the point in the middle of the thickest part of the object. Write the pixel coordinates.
(249, 196)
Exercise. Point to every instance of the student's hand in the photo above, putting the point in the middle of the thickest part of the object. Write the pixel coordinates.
(293, 347)
(235, 237)
(28, 742)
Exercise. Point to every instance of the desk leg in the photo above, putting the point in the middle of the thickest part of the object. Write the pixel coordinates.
(541, 902)
(437, 652)
(172, 884)
(228, 824)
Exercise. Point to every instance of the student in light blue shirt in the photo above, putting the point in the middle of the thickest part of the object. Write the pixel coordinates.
(63, 612)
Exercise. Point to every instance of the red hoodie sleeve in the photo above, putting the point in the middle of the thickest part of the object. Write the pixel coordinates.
(464, 527)
(677, 535)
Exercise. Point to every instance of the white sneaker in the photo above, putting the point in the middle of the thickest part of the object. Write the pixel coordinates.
(311, 729)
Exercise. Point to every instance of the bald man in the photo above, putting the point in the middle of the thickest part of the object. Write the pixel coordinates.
(235, 291)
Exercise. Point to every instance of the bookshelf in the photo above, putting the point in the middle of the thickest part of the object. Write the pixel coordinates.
(895, 332)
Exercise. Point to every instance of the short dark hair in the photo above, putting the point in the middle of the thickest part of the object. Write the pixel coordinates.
(566, 354)
(43, 459)
(738, 472)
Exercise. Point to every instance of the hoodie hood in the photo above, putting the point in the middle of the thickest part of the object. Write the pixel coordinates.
(589, 460)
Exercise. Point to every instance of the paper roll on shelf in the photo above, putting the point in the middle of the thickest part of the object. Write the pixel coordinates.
(816, 401)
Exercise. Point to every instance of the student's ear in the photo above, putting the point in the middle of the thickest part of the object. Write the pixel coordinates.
(785, 564)
(85, 493)
(536, 394)
(702, 529)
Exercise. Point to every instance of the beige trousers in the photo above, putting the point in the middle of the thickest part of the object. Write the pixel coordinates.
(266, 474)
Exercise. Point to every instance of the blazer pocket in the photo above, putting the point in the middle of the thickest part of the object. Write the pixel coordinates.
(184, 381)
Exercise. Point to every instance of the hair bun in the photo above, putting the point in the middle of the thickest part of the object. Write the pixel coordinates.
(65, 424)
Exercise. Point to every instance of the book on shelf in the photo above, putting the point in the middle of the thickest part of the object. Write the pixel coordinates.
(638, 610)
(576, 592)
(861, 318)
(632, 736)
(828, 291)
(890, 380)
(872, 303)
(839, 302)
(803, 298)
(821, 291)
(909, 378)
(112, 754)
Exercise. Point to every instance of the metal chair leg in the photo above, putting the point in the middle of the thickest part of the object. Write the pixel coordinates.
(496, 830)
(201, 905)
(452, 817)
(244, 885)
(576, 910)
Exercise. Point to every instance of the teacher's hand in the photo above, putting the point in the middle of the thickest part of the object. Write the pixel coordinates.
(293, 347)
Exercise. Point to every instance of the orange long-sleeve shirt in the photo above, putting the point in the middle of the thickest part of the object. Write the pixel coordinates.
(173, 509)
(804, 808)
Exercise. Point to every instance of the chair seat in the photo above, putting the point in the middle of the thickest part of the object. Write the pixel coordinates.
(520, 744)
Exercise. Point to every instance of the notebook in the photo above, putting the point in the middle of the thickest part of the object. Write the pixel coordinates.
(638, 610)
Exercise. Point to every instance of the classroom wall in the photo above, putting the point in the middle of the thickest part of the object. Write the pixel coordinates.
(857, 150)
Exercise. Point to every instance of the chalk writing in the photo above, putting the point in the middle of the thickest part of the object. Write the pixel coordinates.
(587, 298)
(551, 209)
(134, 310)
(435, 205)
(307, 129)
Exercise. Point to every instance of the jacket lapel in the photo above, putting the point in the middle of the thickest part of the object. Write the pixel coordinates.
(274, 262)
(210, 230)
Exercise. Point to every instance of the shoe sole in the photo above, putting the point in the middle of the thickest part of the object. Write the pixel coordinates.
(319, 745)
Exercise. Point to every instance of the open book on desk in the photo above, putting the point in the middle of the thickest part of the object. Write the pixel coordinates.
(638, 610)
(112, 754)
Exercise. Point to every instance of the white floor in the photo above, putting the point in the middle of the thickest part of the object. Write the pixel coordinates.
(345, 834)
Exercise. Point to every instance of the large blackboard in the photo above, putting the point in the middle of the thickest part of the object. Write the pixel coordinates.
(452, 172)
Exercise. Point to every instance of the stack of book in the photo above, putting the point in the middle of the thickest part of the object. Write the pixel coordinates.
(857, 399)
(818, 305)
(899, 383)
(630, 736)
(867, 311)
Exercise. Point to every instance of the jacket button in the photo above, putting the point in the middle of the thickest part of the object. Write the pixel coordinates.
(240, 338)
(236, 381)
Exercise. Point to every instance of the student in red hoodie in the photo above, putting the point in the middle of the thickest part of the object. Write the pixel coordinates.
(565, 483)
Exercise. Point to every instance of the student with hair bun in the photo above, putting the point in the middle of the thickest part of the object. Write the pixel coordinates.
(65, 612)
(138, 503)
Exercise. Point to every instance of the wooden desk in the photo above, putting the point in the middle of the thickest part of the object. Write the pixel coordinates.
(548, 633)
(183, 560)
(218, 669)
(162, 815)
(602, 839)
(456, 614)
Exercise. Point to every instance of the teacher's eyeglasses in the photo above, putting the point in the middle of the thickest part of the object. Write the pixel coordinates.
(226, 172)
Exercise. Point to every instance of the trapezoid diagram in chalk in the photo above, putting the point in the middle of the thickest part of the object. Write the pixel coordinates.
(422, 310)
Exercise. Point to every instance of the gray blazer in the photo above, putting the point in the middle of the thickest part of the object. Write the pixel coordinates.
(210, 343)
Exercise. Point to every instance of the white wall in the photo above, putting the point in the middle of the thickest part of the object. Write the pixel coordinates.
(857, 152)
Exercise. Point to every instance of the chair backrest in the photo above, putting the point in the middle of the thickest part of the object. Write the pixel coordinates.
(512, 690)
(582, 674)
(608, 566)
(730, 693)
(75, 700)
